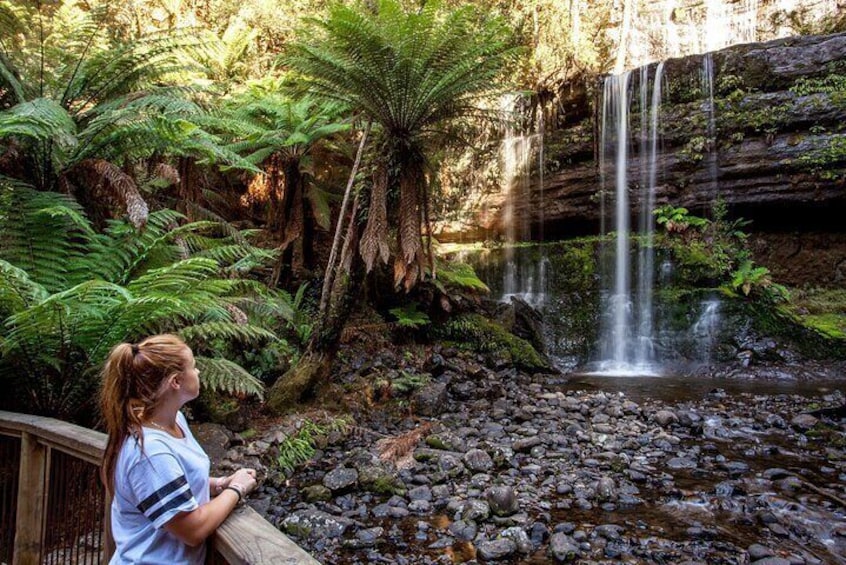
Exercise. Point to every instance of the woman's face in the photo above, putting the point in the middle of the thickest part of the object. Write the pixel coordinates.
(190, 377)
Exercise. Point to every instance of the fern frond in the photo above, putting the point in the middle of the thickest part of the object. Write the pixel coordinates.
(243, 333)
(224, 375)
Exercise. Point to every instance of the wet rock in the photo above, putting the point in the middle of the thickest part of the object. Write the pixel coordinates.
(665, 417)
(316, 493)
(502, 500)
(520, 538)
(495, 550)
(478, 461)
(314, 524)
(475, 510)
(526, 444)
(420, 493)
(804, 422)
(340, 479)
(609, 531)
(678, 463)
(463, 530)
(447, 441)
(757, 551)
(605, 489)
(772, 561)
(430, 400)
(563, 549)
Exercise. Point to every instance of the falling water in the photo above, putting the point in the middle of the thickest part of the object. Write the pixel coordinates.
(522, 279)
(708, 93)
(627, 343)
(706, 327)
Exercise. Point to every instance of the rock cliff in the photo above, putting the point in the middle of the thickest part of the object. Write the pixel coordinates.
(777, 148)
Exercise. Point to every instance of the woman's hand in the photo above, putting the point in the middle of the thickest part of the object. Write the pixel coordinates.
(245, 479)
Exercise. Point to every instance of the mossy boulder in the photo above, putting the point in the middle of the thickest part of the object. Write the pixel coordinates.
(477, 333)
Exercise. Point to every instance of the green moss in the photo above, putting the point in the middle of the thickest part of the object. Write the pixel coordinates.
(482, 335)
(832, 325)
(387, 485)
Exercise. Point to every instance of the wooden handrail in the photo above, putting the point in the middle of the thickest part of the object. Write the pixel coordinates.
(244, 538)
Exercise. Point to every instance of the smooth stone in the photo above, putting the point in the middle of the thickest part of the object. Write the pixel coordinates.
(494, 550)
(502, 500)
(562, 548)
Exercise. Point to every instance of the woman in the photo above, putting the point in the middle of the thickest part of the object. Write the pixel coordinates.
(164, 504)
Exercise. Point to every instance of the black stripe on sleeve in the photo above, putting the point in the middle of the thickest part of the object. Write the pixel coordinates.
(174, 502)
(160, 494)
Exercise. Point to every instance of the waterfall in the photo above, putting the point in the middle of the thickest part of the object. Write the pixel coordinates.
(523, 279)
(708, 92)
(706, 328)
(627, 333)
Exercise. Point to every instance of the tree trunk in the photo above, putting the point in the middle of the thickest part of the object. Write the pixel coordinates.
(301, 381)
(313, 369)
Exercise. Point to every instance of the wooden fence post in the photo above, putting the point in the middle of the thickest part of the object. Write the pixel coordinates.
(32, 495)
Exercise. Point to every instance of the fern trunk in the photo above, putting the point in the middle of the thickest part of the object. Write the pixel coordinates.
(303, 381)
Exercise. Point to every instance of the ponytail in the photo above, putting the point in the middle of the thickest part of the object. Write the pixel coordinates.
(132, 378)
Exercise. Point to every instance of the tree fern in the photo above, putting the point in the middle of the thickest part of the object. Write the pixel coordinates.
(68, 294)
(412, 72)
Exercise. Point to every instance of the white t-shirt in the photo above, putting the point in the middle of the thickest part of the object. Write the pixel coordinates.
(169, 477)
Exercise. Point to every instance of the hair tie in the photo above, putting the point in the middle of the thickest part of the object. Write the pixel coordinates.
(134, 349)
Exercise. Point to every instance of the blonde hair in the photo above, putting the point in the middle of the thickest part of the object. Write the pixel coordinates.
(132, 380)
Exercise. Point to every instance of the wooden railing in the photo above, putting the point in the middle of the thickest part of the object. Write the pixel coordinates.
(53, 508)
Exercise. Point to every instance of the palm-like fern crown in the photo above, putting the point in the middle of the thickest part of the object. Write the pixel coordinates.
(406, 71)
(268, 122)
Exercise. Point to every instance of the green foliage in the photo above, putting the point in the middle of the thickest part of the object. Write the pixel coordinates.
(409, 316)
(300, 447)
(68, 294)
(748, 278)
(704, 251)
(402, 383)
(830, 84)
(823, 310)
(460, 277)
(827, 162)
(677, 219)
(477, 333)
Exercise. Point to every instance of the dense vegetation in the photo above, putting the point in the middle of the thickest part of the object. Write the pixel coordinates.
(243, 172)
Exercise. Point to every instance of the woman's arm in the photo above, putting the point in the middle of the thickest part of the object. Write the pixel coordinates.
(194, 527)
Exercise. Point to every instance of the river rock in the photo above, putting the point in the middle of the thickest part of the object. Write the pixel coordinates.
(502, 500)
(757, 551)
(563, 549)
(314, 524)
(665, 417)
(430, 400)
(478, 461)
(463, 530)
(804, 422)
(520, 538)
(475, 510)
(605, 489)
(526, 444)
(316, 493)
(678, 463)
(495, 550)
(340, 479)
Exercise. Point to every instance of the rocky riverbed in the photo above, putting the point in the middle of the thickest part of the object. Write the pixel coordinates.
(518, 468)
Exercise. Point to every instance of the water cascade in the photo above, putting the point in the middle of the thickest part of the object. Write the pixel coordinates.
(711, 143)
(627, 344)
(523, 279)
